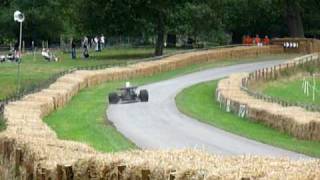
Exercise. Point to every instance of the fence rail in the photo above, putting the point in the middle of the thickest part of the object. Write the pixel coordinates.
(273, 73)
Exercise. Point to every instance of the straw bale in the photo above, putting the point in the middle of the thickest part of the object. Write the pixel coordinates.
(83, 74)
(22, 105)
(66, 90)
(60, 97)
(72, 88)
(73, 78)
(293, 120)
(46, 102)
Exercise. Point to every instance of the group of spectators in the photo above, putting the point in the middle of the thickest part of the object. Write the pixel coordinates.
(248, 40)
(98, 43)
(13, 55)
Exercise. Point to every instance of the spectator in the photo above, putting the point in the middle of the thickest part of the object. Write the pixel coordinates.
(13, 55)
(249, 40)
(93, 43)
(99, 44)
(2, 58)
(266, 40)
(103, 41)
(48, 55)
(96, 42)
(85, 47)
(257, 40)
(85, 42)
(73, 49)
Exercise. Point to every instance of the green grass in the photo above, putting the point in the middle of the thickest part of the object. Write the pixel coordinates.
(199, 102)
(83, 119)
(290, 90)
(36, 69)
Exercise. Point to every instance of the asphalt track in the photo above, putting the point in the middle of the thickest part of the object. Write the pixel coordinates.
(158, 124)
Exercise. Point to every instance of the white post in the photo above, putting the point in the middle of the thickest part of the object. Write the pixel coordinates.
(20, 57)
(307, 88)
(304, 88)
(20, 39)
(314, 89)
(19, 17)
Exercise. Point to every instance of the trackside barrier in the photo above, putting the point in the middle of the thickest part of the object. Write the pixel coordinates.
(234, 96)
(273, 73)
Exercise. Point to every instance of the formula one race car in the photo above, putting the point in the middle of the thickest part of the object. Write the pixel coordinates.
(128, 94)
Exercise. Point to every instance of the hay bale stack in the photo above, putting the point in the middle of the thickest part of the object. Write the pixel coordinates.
(59, 96)
(43, 107)
(46, 102)
(67, 89)
(190, 164)
(293, 120)
(74, 78)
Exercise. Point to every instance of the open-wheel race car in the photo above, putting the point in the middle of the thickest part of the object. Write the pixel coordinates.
(128, 94)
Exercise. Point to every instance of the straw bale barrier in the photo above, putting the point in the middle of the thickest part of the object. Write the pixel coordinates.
(296, 121)
(29, 149)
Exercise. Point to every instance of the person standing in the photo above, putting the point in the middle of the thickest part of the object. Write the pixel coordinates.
(257, 40)
(96, 42)
(103, 41)
(99, 44)
(249, 40)
(266, 40)
(85, 47)
(92, 44)
(73, 49)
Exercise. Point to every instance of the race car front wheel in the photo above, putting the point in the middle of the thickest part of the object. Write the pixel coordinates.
(113, 98)
(144, 95)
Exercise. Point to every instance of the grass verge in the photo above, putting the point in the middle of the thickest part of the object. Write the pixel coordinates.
(199, 102)
(290, 89)
(83, 119)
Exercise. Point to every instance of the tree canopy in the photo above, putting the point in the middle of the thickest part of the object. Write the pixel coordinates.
(203, 20)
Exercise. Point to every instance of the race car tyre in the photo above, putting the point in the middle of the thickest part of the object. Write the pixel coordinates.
(144, 95)
(113, 98)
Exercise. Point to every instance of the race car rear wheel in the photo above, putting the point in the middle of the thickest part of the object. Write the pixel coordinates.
(113, 98)
(144, 95)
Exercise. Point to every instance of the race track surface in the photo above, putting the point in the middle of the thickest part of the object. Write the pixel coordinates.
(158, 124)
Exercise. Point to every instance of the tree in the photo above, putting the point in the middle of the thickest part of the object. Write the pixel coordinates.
(292, 11)
(157, 12)
(200, 21)
(44, 19)
(246, 17)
